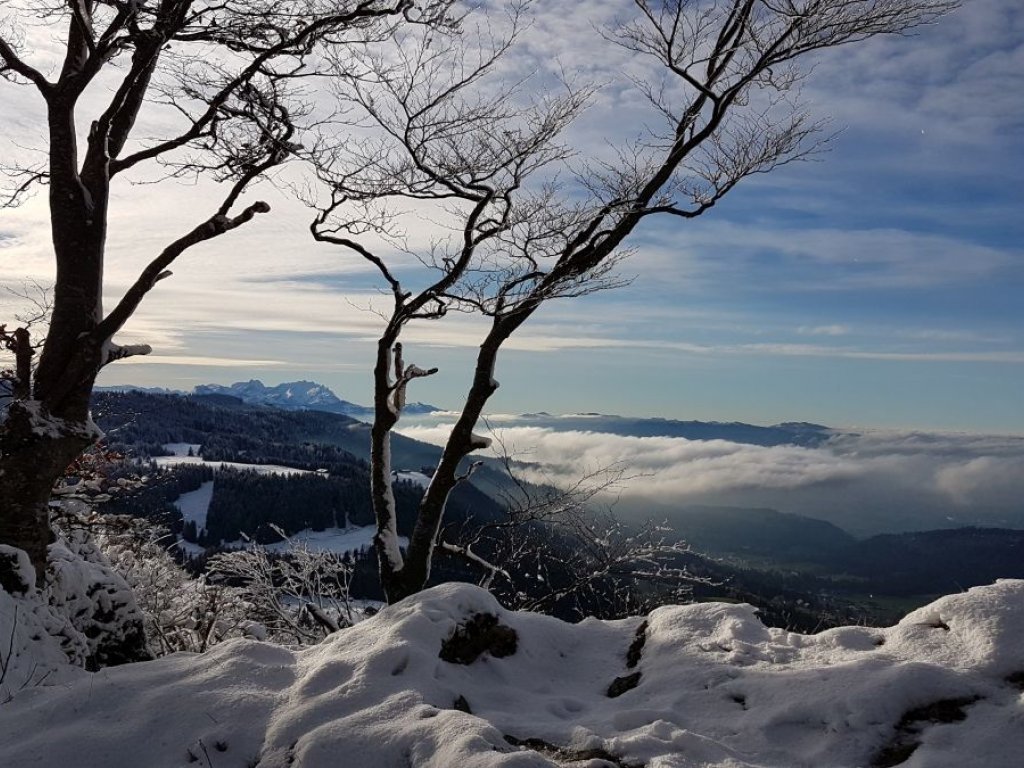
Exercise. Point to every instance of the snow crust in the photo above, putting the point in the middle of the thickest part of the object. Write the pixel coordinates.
(84, 615)
(717, 689)
(30, 650)
(45, 424)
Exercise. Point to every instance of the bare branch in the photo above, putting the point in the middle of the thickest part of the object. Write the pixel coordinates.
(114, 352)
(727, 96)
(156, 270)
(19, 343)
(296, 39)
(14, 64)
(470, 556)
(20, 182)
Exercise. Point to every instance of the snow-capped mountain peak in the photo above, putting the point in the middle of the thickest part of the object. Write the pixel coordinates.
(297, 395)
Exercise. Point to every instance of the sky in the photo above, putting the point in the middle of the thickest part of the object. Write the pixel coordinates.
(878, 285)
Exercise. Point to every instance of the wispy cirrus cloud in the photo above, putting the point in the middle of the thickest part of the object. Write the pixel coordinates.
(211, 362)
(802, 258)
(824, 330)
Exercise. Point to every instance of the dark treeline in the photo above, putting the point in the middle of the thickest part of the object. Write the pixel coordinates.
(936, 562)
(155, 499)
(225, 426)
(248, 504)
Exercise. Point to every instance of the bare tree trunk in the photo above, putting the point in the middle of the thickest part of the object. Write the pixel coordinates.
(461, 442)
(48, 424)
(389, 556)
(32, 460)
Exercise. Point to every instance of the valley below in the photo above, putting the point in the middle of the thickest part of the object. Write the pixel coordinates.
(234, 473)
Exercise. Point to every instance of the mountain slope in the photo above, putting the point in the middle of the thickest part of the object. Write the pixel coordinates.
(760, 533)
(228, 430)
(136, 418)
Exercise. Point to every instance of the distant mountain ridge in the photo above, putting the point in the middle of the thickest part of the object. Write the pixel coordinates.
(289, 395)
(311, 396)
(799, 433)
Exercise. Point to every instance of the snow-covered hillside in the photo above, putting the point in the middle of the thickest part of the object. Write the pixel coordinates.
(697, 685)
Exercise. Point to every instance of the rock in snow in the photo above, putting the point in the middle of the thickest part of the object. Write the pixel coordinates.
(715, 688)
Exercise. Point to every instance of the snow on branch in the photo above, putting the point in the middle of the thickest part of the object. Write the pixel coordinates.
(112, 352)
(468, 554)
(403, 375)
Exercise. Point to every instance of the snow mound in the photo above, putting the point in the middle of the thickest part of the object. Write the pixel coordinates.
(85, 615)
(697, 685)
(31, 650)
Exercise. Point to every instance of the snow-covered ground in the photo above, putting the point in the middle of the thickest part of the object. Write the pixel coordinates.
(337, 540)
(263, 469)
(180, 451)
(418, 478)
(195, 504)
(715, 688)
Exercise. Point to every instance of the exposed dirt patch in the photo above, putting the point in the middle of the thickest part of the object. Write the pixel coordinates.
(622, 684)
(568, 755)
(481, 634)
(1016, 679)
(636, 647)
(10, 575)
(912, 724)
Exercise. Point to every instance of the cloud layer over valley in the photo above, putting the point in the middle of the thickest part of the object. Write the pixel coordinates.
(866, 482)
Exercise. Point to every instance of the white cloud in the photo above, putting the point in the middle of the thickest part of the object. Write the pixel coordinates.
(267, 280)
(866, 483)
(824, 330)
(823, 258)
(213, 362)
(990, 480)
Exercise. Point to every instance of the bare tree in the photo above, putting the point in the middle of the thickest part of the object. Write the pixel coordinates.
(18, 348)
(228, 70)
(559, 555)
(300, 596)
(726, 97)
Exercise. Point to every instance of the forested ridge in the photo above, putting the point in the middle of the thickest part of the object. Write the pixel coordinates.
(246, 503)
